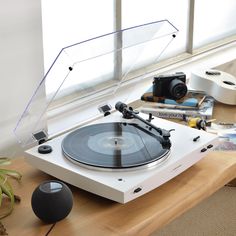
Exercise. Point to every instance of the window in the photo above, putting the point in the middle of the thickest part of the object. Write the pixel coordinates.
(213, 20)
(137, 12)
(66, 22)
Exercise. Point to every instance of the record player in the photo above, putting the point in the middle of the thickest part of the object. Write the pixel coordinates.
(119, 154)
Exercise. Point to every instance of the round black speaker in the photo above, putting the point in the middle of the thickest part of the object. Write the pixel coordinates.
(52, 201)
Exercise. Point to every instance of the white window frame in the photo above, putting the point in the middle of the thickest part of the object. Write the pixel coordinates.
(190, 51)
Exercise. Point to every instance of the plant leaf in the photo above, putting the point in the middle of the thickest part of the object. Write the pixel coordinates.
(12, 173)
(5, 161)
(12, 200)
(5, 182)
(5, 186)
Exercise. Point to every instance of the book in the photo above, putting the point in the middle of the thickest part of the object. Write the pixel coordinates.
(192, 99)
(203, 107)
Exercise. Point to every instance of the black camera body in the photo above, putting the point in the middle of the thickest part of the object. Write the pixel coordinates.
(171, 86)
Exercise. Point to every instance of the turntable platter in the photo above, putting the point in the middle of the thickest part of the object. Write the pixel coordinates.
(114, 145)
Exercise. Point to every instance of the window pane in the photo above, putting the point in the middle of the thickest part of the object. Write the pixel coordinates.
(66, 22)
(214, 20)
(138, 12)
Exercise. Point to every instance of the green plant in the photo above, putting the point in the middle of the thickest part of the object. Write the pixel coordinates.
(5, 186)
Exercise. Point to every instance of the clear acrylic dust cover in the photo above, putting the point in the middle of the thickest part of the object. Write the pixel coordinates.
(92, 72)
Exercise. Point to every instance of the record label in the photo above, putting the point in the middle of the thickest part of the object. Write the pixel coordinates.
(108, 143)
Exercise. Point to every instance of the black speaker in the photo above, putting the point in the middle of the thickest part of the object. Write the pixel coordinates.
(52, 201)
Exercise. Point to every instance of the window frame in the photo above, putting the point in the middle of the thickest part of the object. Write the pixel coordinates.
(180, 58)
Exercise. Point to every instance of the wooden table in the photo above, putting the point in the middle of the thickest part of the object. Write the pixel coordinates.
(94, 215)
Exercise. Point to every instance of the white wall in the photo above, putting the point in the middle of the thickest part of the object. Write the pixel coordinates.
(21, 63)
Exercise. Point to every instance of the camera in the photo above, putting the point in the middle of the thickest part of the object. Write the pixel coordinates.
(171, 86)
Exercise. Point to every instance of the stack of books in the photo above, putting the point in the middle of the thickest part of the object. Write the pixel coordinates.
(194, 104)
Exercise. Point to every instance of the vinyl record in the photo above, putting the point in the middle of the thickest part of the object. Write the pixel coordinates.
(113, 145)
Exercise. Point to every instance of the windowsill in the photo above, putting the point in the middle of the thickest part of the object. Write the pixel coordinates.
(73, 115)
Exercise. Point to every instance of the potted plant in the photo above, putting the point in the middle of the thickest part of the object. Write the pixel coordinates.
(6, 189)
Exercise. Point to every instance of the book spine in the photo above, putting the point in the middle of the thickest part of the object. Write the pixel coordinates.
(168, 115)
(174, 114)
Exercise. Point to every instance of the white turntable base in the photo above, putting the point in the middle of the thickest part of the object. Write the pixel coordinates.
(124, 186)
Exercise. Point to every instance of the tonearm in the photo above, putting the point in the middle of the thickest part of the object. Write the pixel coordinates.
(129, 113)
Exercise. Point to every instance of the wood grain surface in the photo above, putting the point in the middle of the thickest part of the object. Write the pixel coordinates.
(94, 215)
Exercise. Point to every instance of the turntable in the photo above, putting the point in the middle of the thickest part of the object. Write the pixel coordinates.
(120, 154)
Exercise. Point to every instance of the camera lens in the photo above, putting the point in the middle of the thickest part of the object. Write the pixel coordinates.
(177, 89)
